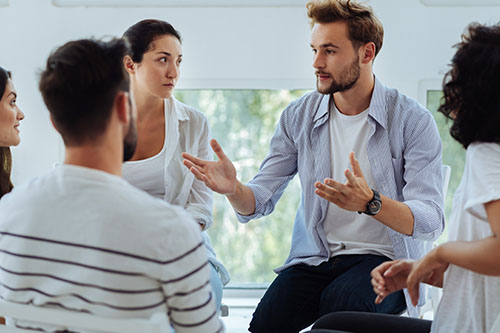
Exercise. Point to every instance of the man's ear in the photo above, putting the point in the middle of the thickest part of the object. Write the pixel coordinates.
(368, 52)
(129, 64)
(122, 107)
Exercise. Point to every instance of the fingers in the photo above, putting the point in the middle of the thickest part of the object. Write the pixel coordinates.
(413, 290)
(378, 272)
(379, 290)
(329, 193)
(397, 268)
(379, 299)
(356, 169)
(413, 284)
(188, 164)
(330, 185)
(218, 150)
(194, 169)
(351, 179)
(193, 159)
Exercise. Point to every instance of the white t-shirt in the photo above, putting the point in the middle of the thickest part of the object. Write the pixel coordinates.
(471, 301)
(349, 232)
(86, 240)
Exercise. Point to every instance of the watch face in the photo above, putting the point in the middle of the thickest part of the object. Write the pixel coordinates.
(374, 207)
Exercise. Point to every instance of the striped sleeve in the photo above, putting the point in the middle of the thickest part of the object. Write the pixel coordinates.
(186, 284)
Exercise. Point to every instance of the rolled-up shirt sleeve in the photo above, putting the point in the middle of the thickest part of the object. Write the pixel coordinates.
(276, 171)
(423, 189)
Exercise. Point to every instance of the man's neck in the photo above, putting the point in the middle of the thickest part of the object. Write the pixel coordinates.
(357, 99)
(99, 157)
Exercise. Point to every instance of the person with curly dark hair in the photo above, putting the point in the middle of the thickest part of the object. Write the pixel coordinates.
(10, 116)
(468, 266)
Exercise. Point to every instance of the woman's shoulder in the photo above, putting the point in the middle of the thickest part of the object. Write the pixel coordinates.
(189, 112)
(484, 151)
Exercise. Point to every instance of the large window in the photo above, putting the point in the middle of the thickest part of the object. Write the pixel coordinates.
(243, 122)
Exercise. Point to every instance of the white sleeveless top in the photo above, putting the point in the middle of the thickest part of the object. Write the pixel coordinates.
(147, 174)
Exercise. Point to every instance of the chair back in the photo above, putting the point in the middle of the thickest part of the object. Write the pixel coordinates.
(75, 321)
(446, 172)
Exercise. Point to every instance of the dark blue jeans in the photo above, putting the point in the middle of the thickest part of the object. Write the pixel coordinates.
(301, 294)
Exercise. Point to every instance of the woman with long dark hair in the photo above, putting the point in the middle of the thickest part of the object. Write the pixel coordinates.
(10, 116)
(165, 129)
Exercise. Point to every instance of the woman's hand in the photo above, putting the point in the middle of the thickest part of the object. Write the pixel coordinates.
(430, 269)
(389, 277)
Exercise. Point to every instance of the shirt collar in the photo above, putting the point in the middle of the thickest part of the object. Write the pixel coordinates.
(174, 104)
(377, 108)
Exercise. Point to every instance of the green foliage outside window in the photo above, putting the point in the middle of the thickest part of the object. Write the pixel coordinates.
(243, 122)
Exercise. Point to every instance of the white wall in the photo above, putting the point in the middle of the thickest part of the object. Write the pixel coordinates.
(223, 48)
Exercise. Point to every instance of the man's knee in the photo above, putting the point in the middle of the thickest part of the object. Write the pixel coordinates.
(346, 297)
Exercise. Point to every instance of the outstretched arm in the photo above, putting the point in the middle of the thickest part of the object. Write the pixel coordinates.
(220, 177)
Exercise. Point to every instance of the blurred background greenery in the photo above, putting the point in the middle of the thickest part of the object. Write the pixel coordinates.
(243, 122)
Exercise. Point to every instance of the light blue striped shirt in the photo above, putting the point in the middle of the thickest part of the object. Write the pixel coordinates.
(404, 150)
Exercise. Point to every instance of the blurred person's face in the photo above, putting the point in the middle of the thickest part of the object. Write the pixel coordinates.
(10, 116)
(159, 70)
(336, 61)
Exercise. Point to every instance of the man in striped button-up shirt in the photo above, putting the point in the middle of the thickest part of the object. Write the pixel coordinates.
(390, 144)
(81, 238)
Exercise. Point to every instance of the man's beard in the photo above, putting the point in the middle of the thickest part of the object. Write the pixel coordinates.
(130, 140)
(347, 79)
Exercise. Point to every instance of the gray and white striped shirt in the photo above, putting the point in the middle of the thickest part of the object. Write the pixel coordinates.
(88, 241)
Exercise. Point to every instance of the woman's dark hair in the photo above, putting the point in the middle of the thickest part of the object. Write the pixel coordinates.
(143, 33)
(5, 157)
(472, 87)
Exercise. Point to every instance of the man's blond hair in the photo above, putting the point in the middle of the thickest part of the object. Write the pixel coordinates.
(362, 24)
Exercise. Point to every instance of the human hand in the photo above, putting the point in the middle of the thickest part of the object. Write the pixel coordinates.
(430, 269)
(219, 176)
(353, 195)
(389, 277)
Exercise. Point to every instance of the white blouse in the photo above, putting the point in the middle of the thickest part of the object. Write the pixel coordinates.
(186, 130)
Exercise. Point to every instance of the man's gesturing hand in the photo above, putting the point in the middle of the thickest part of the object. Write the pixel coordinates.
(353, 195)
(219, 176)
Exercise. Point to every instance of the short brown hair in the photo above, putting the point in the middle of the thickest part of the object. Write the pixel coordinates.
(362, 24)
(79, 86)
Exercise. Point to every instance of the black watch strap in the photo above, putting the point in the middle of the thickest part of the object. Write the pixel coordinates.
(374, 205)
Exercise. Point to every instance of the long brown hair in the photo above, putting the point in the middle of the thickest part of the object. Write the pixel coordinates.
(6, 160)
(5, 156)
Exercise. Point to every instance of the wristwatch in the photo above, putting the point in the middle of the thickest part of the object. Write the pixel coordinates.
(374, 205)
